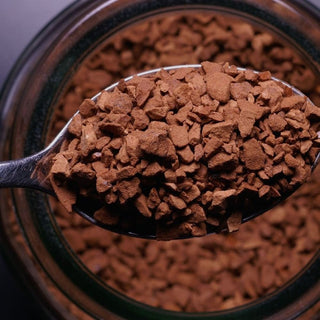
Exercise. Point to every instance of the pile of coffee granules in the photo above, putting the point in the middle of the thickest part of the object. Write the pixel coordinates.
(273, 247)
(187, 148)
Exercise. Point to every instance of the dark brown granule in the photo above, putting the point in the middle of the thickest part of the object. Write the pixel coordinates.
(243, 174)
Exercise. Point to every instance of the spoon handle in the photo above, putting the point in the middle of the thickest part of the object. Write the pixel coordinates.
(18, 173)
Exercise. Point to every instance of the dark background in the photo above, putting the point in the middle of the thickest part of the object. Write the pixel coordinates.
(20, 21)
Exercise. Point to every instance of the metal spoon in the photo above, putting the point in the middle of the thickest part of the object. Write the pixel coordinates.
(21, 173)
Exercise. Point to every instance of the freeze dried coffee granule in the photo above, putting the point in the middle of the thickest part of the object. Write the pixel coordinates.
(187, 148)
(285, 239)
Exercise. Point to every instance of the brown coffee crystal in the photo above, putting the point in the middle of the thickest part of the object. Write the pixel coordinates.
(187, 148)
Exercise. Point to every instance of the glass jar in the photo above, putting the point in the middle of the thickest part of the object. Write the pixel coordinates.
(33, 90)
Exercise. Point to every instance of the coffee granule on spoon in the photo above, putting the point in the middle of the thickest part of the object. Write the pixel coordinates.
(188, 148)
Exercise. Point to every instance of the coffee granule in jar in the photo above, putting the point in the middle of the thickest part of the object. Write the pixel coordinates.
(283, 240)
(255, 142)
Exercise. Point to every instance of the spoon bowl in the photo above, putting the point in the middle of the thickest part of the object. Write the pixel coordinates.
(32, 172)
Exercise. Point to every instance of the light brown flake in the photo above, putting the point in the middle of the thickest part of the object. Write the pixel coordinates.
(292, 102)
(115, 101)
(88, 108)
(141, 205)
(212, 146)
(60, 168)
(177, 202)
(222, 161)
(276, 122)
(75, 127)
(65, 196)
(198, 152)
(240, 90)
(143, 88)
(191, 194)
(88, 139)
(162, 210)
(178, 135)
(291, 161)
(152, 170)
(253, 155)
(128, 189)
(140, 118)
(234, 222)
(156, 142)
(218, 85)
(82, 173)
(194, 134)
(220, 198)
(185, 155)
(246, 122)
(221, 130)
(153, 199)
(155, 109)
